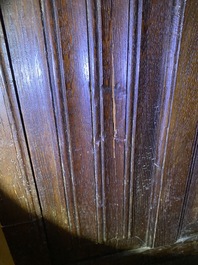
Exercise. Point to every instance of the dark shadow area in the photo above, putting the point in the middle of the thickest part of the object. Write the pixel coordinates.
(35, 241)
(29, 244)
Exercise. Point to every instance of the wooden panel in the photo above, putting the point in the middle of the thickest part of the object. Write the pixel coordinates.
(182, 130)
(161, 26)
(96, 79)
(79, 150)
(29, 63)
(188, 219)
(133, 68)
(55, 63)
(15, 175)
(73, 40)
(24, 31)
(19, 205)
(103, 139)
(100, 118)
(35, 99)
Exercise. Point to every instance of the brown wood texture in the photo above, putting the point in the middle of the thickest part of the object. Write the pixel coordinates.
(159, 48)
(188, 226)
(182, 131)
(98, 126)
(16, 178)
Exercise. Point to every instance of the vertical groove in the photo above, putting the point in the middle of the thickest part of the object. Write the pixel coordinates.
(165, 115)
(93, 104)
(135, 102)
(113, 106)
(68, 135)
(133, 63)
(54, 108)
(66, 115)
(114, 124)
(100, 87)
(23, 126)
(127, 119)
(188, 184)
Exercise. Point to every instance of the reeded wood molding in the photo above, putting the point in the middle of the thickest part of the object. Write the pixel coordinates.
(96, 81)
(93, 101)
(170, 74)
(57, 78)
(67, 91)
(181, 133)
(133, 64)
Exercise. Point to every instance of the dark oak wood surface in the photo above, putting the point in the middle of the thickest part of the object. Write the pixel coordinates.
(98, 126)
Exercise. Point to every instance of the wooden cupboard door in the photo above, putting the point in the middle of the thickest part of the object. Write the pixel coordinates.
(98, 126)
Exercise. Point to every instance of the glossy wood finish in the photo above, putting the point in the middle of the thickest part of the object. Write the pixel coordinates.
(182, 132)
(159, 49)
(98, 126)
(16, 178)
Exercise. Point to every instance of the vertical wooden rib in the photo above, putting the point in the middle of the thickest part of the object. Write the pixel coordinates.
(165, 116)
(100, 85)
(133, 96)
(72, 23)
(182, 128)
(128, 119)
(92, 23)
(55, 63)
(155, 38)
(114, 19)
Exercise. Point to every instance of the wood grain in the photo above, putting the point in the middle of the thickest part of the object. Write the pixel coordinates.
(72, 18)
(114, 54)
(133, 71)
(94, 26)
(163, 107)
(98, 125)
(154, 99)
(16, 177)
(182, 130)
(25, 38)
(188, 220)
